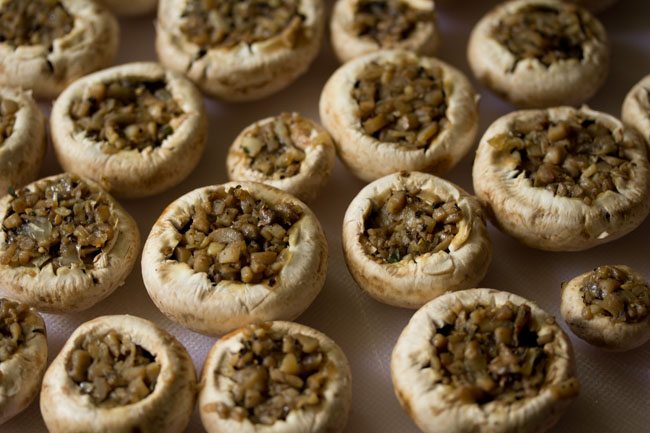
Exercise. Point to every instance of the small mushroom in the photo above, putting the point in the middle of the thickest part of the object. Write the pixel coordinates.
(267, 45)
(289, 152)
(23, 356)
(409, 237)
(224, 256)
(119, 374)
(483, 360)
(636, 108)
(608, 307)
(359, 27)
(275, 377)
(540, 53)
(136, 129)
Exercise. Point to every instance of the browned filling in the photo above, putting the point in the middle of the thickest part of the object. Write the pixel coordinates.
(388, 22)
(271, 147)
(18, 325)
(403, 104)
(112, 370)
(227, 23)
(546, 33)
(273, 374)
(127, 114)
(406, 226)
(33, 22)
(8, 109)
(491, 353)
(63, 223)
(577, 157)
(238, 237)
(612, 292)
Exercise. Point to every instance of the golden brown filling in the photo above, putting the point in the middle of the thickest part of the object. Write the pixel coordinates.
(577, 158)
(8, 109)
(227, 23)
(17, 326)
(271, 147)
(548, 34)
(403, 104)
(63, 223)
(491, 354)
(127, 114)
(238, 237)
(406, 226)
(612, 292)
(388, 22)
(112, 370)
(33, 22)
(273, 373)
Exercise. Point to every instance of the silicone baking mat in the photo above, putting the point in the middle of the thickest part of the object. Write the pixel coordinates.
(615, 386)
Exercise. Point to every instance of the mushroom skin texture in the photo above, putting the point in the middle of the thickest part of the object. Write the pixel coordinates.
(347, 45)
(167, 409)
(412, 283)
(91, 45)
(315, 170)
(636, 108)
(71, 289)
(430, 405)
(22, 373)
(22, 153)
(528, 83)
(193, 300)
(369, 158)
(132, 173)
(330, 418)
(131, 7)
(538, 218)
(240, 73)
(601, 331)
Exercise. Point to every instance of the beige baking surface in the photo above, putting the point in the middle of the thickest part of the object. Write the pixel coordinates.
(616, 387)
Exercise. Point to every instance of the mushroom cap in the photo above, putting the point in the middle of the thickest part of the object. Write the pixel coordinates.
(636, 108)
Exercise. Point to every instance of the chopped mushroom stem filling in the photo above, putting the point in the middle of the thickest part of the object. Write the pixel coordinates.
(17, 326)
(127, 114)
(388, 22)
(63, 223)
(491, 353)
(273, 374)
(8, 109)
(227, 23)
(406, 226)
(614, 293)
(577, 158)
(238, 237)
(112, 370)
(548, 34)
(33, 22)
(271, 147)
(403, 104)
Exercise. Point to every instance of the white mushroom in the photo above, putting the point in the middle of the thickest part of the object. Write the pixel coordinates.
(636, 108)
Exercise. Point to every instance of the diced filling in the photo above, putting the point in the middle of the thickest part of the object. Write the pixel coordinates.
(546, 33)
(112, 370)
(127, 114)
(8, 109)
(403, 103)
(227, 23)
(236, 236)
(18, 325)
(62, 222)
(388, 22)
(614, 293)
(271, 147)
(33, 22)
(406, 226)
(577, 157)
(273, 374)
(491, 353)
